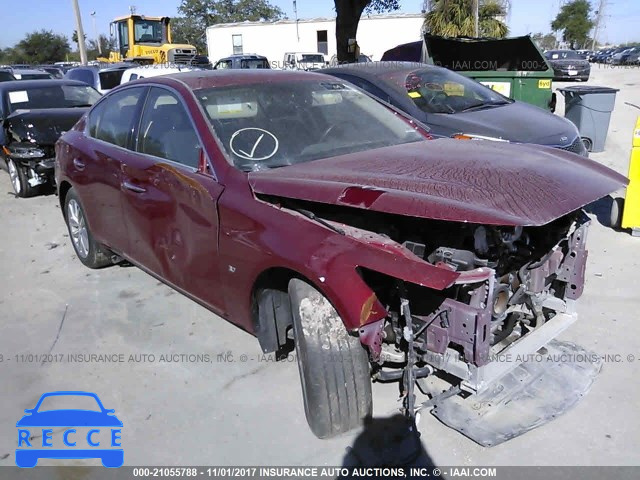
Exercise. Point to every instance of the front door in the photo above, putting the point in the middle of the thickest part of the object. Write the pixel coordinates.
(170, 206)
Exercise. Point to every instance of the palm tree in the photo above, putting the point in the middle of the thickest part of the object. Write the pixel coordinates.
(454, 18)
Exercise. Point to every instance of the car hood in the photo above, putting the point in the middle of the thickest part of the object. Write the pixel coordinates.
(43, 126)
(506, 121)
(456, 180)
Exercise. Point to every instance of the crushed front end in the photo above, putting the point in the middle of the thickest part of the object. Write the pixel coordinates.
(514, 293)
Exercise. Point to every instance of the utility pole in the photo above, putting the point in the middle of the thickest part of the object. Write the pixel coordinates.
(597, 26)
(295, 13)
(80, 31)
(476, 13)
(95, 32)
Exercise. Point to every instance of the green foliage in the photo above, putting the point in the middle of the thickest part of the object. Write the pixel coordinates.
(107, 44)
(455, 18)
(574, 22)
(185, 30)
(545, 42)
(37, 47)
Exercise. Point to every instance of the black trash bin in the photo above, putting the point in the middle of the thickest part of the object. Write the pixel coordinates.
(589, 108)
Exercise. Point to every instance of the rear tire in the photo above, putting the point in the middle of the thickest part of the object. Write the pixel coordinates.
(334, 366)
(90, 252)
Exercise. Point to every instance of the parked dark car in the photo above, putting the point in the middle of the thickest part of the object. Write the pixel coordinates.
(622, 58)
(102, 79)
(296, 206)
(454, 105)
(634, 58)
(568, 65)
(55, 71)
(30, 74)
(246, 60)
(33, 115)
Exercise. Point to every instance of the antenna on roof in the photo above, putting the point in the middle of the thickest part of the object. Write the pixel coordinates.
(132, 9)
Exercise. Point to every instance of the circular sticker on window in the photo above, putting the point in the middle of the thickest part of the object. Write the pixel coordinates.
(255, 144)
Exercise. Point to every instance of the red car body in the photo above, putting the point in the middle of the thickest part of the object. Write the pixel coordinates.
(221, 236)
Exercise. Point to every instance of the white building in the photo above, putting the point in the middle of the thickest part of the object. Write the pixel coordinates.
(376, 34)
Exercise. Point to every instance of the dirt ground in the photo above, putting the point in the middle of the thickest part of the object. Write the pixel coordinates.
(239, 408)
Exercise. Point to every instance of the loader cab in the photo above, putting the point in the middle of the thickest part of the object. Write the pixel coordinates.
(134, 30)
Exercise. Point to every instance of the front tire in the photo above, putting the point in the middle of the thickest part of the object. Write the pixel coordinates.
(615, 215)
(334, 366)
(90, 252)
(20, 180)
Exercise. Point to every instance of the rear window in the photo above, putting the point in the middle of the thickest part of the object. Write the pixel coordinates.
(85, 76)
(312, 58)
(6, 77)
(110, 79)
(34, 76)
(254, 63)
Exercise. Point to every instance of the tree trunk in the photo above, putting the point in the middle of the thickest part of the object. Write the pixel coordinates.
(348, 16)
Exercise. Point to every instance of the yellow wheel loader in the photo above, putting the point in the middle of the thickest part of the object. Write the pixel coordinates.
(147, 40)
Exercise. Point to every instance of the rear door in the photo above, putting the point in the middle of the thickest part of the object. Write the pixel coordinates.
(97, 164)
(169, 203)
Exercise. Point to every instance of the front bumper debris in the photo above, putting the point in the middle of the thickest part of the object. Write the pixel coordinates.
(529, 396)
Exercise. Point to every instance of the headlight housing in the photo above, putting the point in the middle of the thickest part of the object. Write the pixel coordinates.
(24, 151)
(471, 136)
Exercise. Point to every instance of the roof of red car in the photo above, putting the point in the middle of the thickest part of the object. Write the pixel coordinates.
(212, 78)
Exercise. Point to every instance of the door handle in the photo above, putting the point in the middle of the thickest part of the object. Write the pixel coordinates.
(133, 188)
(79, 164)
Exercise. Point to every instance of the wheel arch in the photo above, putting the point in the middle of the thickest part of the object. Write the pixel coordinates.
(63, 189)
(270, 307)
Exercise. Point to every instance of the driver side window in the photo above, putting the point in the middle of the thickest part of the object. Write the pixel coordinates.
(166, 130)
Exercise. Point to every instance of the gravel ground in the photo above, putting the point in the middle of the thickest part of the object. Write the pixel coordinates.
(247, 409)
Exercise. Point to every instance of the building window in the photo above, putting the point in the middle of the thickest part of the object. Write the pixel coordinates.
(237, 43)
(323, 46)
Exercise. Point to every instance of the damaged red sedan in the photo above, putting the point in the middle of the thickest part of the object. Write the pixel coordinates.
(307, 213)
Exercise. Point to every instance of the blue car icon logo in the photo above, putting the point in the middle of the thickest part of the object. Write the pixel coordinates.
(103, 429)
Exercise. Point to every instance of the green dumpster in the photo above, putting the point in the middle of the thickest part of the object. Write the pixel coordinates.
(514, 67)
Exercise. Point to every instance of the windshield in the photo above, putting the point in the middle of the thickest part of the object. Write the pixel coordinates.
(69, 402)
(147, 31)
(54, 96)
(437, 90)
(278, 124)
(562, 55)
(311, 58)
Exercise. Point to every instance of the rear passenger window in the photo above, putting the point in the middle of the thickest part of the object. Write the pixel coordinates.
(112, 119)
(166, 130)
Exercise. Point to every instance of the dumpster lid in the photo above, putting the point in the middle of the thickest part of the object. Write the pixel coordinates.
(485, 54)
(586, 89)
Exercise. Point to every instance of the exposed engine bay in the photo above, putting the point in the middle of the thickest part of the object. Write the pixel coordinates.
(513, 281)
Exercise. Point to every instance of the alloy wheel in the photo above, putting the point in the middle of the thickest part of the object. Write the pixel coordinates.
(15, 176)
(78, 228)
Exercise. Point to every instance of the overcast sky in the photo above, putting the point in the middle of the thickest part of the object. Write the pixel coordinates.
(622, 17)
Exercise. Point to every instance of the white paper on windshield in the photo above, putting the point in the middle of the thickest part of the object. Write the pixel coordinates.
(18, 97)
